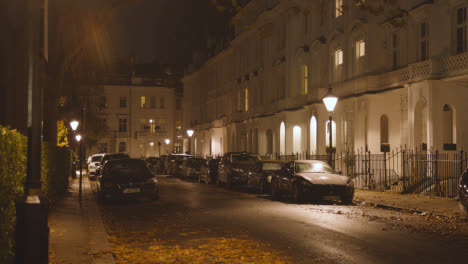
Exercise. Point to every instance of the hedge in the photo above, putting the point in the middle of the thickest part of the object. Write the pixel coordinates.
(13, 147)
(55, 171)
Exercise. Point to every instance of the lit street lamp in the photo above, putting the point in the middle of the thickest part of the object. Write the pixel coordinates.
(78, 139)
(190, 134)
(74, 125)
(167, 145)
(330, 100)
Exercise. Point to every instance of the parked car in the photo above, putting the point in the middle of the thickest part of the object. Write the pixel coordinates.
(259, 180)
(209, 171)
(93, 165)
(110, 156)
(192, 167)
(233, 166)
(303, 179)
(176, 161)
(126, 178)
(463, 193)
(153, 163)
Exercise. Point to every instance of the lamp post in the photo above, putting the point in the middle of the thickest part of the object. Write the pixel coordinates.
(167, 145)
(190, 134)
(330, 100)
(78, 139)
(74, 126)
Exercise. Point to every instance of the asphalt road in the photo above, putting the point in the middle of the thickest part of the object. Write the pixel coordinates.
(306, 233)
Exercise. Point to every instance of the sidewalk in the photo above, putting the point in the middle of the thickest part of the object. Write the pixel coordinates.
(76, 228)
(412, 203)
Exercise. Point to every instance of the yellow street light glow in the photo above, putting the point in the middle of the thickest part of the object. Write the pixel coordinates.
(78, 137)
(167, 141)
(330, 100)
(151, 143)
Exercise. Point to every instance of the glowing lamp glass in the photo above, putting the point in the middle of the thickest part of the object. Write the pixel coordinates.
(167, 141)
(190, 132)
(151, 143)
(74, 124)
(330, 102)
(78, 138)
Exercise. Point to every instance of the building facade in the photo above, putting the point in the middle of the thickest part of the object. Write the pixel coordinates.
(138, 119)
(401, 79)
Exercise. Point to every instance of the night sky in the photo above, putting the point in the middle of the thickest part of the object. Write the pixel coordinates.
(167, 31)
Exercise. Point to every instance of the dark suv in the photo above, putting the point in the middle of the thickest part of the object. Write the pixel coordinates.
(234, 167)
(463, 193)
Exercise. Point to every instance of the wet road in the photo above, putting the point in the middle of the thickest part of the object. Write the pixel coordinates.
(310, 233)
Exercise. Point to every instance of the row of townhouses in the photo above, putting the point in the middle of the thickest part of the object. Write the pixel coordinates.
(401, 78)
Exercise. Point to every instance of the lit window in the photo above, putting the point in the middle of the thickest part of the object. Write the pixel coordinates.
(360, 48)
(338, 8)
(246, 93)
(338, 57)
(305, 77)
(143, 102)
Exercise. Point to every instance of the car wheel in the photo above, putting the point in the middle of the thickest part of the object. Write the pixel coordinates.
(229, 181)
(347, 200)
(464, 209)
(297, 193)
(275, 193)
(261, 187)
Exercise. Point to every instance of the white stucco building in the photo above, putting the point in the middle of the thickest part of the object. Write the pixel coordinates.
(401, 80)
(136, 117)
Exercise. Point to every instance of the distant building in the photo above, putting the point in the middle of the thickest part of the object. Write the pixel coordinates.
(138, 115)
(402, 80)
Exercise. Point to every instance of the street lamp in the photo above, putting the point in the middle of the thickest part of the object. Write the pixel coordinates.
(78, 139)
(330, 100)
(190, 134)
(74, 125)
(167, 144)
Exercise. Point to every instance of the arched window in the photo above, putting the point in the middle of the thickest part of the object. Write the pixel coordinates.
(327, 128)
(297, 139)
(448, 125)
(282, 138)
(384, 138)
(313, 135)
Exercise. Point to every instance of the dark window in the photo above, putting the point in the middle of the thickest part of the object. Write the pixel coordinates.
(178, 104)
(424, 41)
(102, 147)
(153, 101)
(161, 103)
(122, 125)
(123, 146)
(395, 50)
(123, 102)
(461, 30)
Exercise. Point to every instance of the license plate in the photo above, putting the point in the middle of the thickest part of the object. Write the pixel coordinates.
(331, 197)
(131, 190)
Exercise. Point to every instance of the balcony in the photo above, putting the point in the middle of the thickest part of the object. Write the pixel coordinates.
(148, 134)
(115, 134)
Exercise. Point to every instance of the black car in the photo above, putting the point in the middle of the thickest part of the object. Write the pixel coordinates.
(209, 171)
(260, 178)
(175, 163)
(234, 167)
(192, 167)
(153, 163)
(110, 156)
(463, 193)
(311, 179)
(125, 178)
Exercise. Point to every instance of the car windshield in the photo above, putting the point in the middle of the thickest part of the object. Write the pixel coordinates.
(96, 159)
(314, 167)
(271, 166)
(244, 158)
(126, 170)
